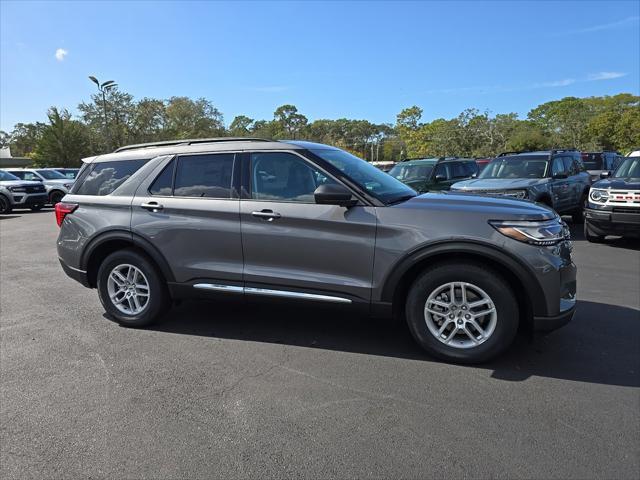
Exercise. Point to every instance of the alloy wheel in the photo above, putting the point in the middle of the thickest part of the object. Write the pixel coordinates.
(128, 289)
(460, 315)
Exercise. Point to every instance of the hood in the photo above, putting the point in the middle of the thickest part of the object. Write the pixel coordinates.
(58, 181)
(18, 183)
(490, 207)
(618, 183)
(497, 183)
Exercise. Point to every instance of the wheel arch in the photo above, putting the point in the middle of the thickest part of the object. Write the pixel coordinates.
(528, 292)
(113, 240)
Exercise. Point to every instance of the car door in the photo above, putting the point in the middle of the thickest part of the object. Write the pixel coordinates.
(560, 185)
(293, 246)
(190, 213)
(575, 182)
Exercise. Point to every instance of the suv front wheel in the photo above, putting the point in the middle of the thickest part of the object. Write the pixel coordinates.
(131, 289)
(464, 313)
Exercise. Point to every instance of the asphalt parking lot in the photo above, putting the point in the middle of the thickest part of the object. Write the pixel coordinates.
(257, 391)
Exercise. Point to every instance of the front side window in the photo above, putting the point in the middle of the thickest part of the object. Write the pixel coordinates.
(558, 167)
(370, 179)
(25, 175)
(284, 177)
(459, 170)
(105, 177)
(204, 176)
(569, 167)
(441, 172)
(6, 176)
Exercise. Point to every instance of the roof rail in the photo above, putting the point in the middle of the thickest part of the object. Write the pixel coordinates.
(553, 151)
(504, 154)
(190, 141)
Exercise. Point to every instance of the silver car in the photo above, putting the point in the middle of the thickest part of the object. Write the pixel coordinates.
(16, 193)
(55, 183)
(305, 222)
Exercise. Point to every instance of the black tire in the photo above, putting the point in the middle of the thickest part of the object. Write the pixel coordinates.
(578, 216)
(55, 197)
(496, 288)
(5, 205)
(590, 235)
(36, 208)
(159, 299)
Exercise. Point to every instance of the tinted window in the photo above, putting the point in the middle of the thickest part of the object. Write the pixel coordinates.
(411, 172)
(569, 167)
(558, 166)
(6, 176)
(441, 169)
(471, 168)
(51, 175)
(205, 176)
(163, 184)
(459, 170)
(517, 167)
(284, 177)
(593, 161)
(105, 177)
(24, 175)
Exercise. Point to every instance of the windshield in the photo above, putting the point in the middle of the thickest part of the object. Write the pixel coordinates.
(629, 168)
(516, 167)
(411, 172)
(6, 176)
(376, 182)
(51, 175)
(592, 161)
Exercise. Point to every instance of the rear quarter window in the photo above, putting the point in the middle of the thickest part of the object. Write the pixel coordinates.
(105, 177)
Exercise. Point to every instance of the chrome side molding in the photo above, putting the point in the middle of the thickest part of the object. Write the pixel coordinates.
(270, 293)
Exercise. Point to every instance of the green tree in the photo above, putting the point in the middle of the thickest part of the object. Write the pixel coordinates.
(64, 142)
(289, 120)
(186, 118)
(240, 126)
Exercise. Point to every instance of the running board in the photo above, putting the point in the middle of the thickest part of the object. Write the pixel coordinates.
(269, 293)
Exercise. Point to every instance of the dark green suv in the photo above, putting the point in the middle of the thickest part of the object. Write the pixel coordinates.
(424, 174)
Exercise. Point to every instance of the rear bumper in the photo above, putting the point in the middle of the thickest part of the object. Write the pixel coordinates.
(75, 273)
(548, 324)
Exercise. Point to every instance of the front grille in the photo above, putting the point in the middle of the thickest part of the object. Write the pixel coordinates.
(35, 189)
(502, 193)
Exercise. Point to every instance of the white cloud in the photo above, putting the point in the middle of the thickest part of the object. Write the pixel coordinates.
(604, 76)
(554, 83)
(603, 26)
(60, 54)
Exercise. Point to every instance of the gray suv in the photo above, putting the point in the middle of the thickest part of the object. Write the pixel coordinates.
(16, 193)
(305, 222)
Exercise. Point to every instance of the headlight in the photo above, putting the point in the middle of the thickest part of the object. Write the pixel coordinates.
(18, 189)
(598, 195)
(543, 233)
(516, 193)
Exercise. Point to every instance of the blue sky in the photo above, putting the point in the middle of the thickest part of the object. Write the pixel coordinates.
(331, 59)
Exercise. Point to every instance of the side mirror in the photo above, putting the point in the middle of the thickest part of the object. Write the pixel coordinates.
(474, 175)
(558, 176)
(440, 178)
(334, 194)
(605, 174)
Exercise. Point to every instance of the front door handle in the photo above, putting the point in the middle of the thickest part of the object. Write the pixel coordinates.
(268, 215)
(152, 206)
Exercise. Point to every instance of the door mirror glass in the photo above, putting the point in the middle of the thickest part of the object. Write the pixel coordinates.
(440, 177)
(334, 194)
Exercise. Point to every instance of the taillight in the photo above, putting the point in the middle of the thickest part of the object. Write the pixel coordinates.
(63, 209)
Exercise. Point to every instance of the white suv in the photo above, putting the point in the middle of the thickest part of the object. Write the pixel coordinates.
(55, 183)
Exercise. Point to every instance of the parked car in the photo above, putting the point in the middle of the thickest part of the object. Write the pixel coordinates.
(614, 203)
(305, 222)
(556, 178)
(482, 162)
(55, 183)
(70, 173)
(16, 193)
(599, 162)
(427, 174)
(384, 166)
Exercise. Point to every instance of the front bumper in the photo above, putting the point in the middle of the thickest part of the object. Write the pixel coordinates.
(613, 222)
(548, 324)
(28, 200)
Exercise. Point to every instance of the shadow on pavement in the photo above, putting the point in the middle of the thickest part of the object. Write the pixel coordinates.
(577, 235)
(601, 344)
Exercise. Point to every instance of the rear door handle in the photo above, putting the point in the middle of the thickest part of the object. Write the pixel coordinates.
(268, 215)
(152, 206)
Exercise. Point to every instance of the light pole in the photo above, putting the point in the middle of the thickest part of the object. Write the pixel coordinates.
(103, 88)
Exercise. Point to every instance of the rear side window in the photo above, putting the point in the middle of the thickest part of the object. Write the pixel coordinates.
(163, 184)
(105, 177)
(204, 176)
(471, 168)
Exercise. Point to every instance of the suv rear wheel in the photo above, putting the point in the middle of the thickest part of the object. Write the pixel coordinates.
(55, 197)
(464, 313)
(131, 289)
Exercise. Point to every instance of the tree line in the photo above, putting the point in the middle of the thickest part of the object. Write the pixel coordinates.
(113, 118)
